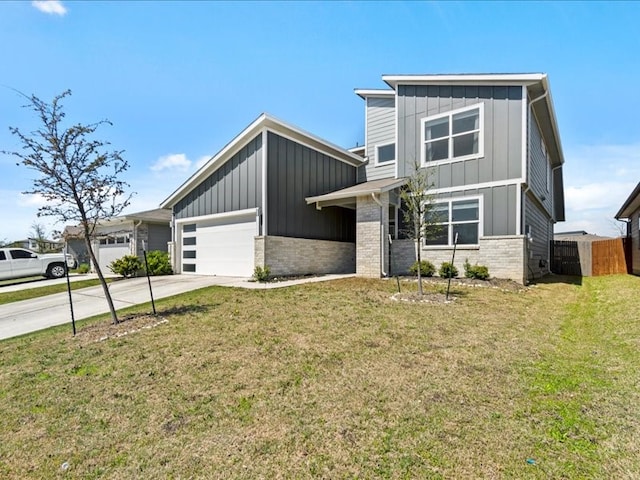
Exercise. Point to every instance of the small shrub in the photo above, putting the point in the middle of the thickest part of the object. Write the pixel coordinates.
(448, 270)
(127, 266)
(475, 271)
(158, 263)
(83, 268)
(261, 274)
(426, 268)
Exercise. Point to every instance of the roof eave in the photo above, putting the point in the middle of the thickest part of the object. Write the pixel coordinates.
(468, 79)
(263, 122)
(630, 205)
(350, 194)
(373, 92)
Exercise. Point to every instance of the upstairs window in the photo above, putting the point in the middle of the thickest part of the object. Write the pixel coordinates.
(454, 135)
(385, 153)
(456, 216)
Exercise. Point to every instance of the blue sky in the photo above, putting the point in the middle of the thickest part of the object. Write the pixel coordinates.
(180, 79)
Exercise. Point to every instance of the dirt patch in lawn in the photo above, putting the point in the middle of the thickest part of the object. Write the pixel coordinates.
(127, 325)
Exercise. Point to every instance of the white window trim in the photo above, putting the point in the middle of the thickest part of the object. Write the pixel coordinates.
(388, 162)
(450, 114)
(480, 199)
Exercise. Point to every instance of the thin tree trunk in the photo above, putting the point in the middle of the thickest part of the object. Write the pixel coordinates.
(103, 282)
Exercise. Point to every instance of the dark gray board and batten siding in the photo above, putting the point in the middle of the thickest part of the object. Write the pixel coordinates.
(539, 172)
(295, 172)
(502, 134)
(236, 185)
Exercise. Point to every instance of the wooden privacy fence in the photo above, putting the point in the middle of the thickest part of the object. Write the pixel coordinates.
(589, 257)
(608, 257)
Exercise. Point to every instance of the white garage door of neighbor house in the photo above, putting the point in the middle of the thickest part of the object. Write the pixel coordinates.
(109, 253)
(223, 246)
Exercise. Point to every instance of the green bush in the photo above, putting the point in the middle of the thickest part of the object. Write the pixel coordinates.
(127, 266)
(426, 268)
(158, 263)
(261, 274)
(448, 270)
(475, 271)
(83, 268)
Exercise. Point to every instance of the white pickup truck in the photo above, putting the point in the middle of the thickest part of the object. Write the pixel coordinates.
(19, 263)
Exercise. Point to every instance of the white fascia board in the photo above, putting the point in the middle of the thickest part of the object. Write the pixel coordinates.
(218, 216)
(552, 114)
(255, 128)
(374, 92)
(468, 79)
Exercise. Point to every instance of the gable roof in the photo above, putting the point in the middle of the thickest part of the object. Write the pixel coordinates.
(630, 205)
(264, 122)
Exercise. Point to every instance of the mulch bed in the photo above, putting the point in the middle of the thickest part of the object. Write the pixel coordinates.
(127, 325)
(436, 297)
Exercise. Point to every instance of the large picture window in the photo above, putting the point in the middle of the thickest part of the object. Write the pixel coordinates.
(456, 216)
(454, 135)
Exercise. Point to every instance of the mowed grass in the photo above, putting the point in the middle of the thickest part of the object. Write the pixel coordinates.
(336, 380)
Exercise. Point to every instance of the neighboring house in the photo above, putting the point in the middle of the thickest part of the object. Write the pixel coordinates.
(282, 197)
(40, 246)
(123, 235)
(630, 212)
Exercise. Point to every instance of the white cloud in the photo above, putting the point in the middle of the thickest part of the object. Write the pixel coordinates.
(595, 196)
(51, 7)
(173, 161)
(36, 200)
(598, 179)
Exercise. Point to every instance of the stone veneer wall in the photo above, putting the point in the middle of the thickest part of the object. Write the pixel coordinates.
(504, 256)
(372, 222)
(301, 256)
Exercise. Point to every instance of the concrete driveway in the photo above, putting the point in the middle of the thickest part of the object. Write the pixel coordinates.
(35, 314)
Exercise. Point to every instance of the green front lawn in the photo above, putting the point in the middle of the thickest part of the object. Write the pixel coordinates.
(39, 291)
(335, 380)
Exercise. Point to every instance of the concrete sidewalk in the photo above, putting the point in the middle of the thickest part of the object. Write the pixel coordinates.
(35, 314)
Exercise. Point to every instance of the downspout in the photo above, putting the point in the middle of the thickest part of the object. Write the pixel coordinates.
(174, 239)
(382, 239)
(527, 251)
(135, 237)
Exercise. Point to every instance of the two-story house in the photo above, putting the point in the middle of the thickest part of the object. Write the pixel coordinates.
(282, 197)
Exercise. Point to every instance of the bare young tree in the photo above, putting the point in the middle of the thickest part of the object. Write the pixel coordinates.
(77, 175)
(417, 209)
(39, 234)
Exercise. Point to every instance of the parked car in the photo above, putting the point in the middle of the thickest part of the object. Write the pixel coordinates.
(20, 263)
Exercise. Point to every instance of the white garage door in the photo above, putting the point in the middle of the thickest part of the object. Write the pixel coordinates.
(109, 253)
(220, 246)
